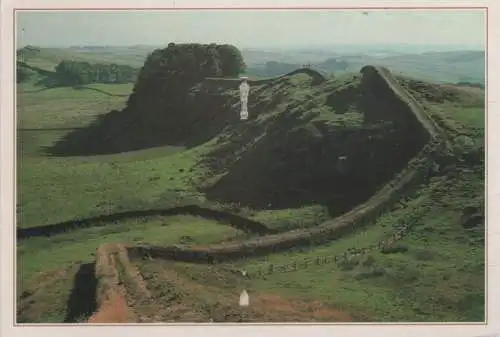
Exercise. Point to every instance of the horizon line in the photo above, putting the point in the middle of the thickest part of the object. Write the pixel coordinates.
(465, 47)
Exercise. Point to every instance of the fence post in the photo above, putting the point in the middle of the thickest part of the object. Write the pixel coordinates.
(210, 259)
(346, 255)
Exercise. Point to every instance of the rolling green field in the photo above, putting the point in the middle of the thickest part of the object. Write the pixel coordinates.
(434, 273)
(52, 189)
(48, 58)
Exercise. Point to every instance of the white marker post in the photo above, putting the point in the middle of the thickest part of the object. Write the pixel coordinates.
(244, 299)
(244, 91)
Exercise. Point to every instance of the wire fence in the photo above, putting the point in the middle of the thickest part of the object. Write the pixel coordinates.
(386, 245)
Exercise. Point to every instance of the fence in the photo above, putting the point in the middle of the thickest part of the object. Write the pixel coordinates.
(346, 256)
(384, 245)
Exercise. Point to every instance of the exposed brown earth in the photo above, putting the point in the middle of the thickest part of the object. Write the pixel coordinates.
(111, 293)
(177, 298)
(113, 310)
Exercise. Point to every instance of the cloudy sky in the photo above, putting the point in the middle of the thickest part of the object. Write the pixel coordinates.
(252, 28)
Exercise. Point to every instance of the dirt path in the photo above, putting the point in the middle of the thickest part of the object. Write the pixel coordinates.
(111, 293)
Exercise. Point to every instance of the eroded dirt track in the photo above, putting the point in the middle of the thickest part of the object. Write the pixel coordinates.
(160, 293)
(111, 293)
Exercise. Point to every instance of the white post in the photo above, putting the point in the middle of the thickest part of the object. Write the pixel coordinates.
(244, 91)
(244, 299)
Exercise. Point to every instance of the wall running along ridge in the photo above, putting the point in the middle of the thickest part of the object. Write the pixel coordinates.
(110, 293)
(416, 172)
(229, 83)
(112, 260)
(234, 220)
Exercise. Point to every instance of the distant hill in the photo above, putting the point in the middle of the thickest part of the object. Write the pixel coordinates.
(454, 66)
(439, 67)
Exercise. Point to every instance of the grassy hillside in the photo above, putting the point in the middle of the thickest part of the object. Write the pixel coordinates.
(93, 172)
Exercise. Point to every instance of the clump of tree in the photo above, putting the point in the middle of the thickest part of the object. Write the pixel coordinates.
(231, 60)
(27, 52)
(74, 73)
(23, 74)
(169, 72)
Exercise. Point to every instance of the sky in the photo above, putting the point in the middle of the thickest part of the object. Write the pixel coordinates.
(252, 28)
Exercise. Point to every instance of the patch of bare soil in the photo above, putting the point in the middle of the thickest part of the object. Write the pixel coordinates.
(153, 291)
(273, 308)
(112, 310)
(111, 293)
(183, 296)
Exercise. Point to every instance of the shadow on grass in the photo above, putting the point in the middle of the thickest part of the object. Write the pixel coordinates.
(188, 121)
(233, 220)
(189, 124)
(291, 169)
(82, 300)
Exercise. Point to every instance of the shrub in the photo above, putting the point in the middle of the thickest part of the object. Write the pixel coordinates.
(368, 261)
(394, 249)
(424, 255)
(371, 272)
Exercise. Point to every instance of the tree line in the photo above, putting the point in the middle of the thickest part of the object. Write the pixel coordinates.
(171, 71)
(73, 73)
